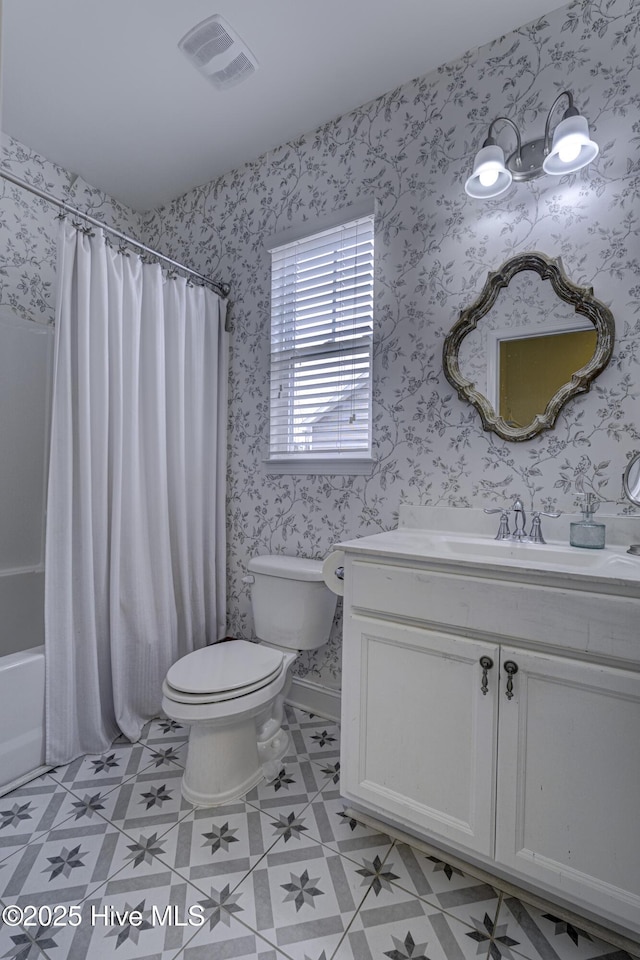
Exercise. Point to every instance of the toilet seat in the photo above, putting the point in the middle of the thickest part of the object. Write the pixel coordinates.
(223, 671)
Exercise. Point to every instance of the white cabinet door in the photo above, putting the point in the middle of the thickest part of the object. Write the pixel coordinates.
(418, 732)
(569, 780)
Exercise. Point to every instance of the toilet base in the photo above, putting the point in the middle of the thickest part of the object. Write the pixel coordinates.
(222, 763)
(233, 744)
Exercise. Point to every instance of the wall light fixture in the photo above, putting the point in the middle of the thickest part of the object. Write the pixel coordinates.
(571, 149)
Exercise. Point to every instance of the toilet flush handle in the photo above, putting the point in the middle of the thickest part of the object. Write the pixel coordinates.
(249, 579)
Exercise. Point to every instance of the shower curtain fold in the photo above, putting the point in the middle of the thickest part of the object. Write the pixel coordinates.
(135, 544)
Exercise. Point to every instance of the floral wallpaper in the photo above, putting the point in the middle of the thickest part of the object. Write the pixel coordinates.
(529, 304)
(28, 228)
(411, 150)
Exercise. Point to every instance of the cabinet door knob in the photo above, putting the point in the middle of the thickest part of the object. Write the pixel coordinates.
(486, 663)
(511, 668)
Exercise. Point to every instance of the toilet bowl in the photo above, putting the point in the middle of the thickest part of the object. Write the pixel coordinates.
(232, 693)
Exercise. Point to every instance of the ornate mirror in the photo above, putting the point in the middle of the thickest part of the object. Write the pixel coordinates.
(530, 342)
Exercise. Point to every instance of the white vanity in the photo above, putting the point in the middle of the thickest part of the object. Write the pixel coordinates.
(491, 702)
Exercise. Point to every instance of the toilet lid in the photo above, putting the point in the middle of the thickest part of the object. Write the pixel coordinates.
(231, 666)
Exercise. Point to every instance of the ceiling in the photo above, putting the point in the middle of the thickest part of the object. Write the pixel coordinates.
(101, 88)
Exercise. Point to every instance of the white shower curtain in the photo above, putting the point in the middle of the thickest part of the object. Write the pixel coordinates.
(135, 544)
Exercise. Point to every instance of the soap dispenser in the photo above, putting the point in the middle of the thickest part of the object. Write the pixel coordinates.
(586, 533)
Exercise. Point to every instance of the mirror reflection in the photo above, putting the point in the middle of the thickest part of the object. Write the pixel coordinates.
(525, 349)
(529, 343)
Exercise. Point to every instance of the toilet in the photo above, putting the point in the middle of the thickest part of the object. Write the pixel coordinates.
(232, 693)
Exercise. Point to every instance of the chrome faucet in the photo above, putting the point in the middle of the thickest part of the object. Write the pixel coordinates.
(519, 534)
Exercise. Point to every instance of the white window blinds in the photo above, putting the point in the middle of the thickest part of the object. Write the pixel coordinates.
(321, 344)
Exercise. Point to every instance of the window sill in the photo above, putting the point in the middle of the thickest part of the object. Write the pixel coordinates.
(323, 465)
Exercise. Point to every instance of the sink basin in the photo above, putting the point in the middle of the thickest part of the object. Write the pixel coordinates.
(524, 553)
(556, 558)
(610, 562)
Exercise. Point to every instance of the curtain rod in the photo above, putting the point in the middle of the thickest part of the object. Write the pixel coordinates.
(222, 288)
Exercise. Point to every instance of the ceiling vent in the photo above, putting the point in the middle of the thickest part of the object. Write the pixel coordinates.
(216, 50)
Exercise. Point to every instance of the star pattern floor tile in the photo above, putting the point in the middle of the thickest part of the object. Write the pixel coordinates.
(313, 737)
(166, 754)
(224, 937)
(62, 866)
(283, 874)
(409, 931)
(30, 811)
(16, 944)
(301, 898)
(444, 886)
(87, 806)
(129, 918)
(152, 799)
(325, 820)
(222, 844)
(297, 782)
(164, 731)
(538, 934)
(106, 770)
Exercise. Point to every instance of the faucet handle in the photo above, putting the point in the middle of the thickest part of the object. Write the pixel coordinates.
(503, 529)
(536, 525)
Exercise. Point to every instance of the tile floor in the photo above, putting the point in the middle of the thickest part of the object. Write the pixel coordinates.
(284, 873)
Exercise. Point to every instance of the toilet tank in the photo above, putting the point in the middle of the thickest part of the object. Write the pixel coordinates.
(292, 606)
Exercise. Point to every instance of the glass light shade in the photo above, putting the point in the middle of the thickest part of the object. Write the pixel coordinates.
(490, 176)
(572, 147)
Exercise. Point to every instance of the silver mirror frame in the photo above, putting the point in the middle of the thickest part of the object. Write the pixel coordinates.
(581, 298)
(631, 488)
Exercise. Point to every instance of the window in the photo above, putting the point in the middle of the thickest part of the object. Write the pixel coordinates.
(321, 346)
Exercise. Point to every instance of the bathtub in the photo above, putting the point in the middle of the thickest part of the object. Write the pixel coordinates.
(21, 718)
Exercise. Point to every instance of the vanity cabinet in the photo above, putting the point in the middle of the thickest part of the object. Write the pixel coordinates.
(423, 732)
(568, 779)
(534, 774)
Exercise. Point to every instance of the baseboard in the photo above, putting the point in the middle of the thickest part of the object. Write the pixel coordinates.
(314, 698)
